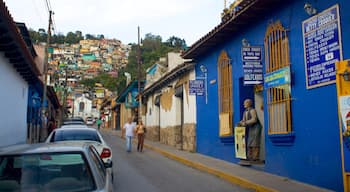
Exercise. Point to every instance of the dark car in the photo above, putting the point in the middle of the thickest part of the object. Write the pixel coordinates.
(64, 166)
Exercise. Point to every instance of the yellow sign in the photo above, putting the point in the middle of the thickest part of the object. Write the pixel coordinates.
(240, 145)
(343, 89)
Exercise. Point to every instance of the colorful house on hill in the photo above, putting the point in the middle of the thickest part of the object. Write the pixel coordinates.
(282, 55)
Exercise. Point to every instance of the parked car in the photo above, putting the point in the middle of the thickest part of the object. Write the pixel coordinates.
(64, 166)
(82, 133)
(89, 121)
(74, 120)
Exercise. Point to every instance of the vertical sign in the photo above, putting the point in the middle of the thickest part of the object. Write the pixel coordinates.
(196, 87)
(252, 66)
(240, 146)
(322, 47)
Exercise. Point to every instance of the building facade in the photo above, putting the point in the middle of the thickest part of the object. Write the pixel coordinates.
(169, 110)
(282, 55)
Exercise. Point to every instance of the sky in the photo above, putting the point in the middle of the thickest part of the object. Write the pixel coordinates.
(186, 19)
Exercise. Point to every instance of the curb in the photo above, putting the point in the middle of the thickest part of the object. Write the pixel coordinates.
(230, 178)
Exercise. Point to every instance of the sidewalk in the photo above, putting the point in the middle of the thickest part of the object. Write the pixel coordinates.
(236, 174)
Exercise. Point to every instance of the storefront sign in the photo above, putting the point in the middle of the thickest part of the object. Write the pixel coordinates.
(252, 66)
(196, 87)
(277, 78)
(322, 47)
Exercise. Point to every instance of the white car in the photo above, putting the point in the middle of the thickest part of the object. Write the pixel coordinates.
(82, 133)
(89, 121)
(62, 166)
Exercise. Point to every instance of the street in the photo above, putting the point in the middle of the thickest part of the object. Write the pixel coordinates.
(150, 171)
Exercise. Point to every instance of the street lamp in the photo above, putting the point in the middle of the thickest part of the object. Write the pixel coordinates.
(204, 71)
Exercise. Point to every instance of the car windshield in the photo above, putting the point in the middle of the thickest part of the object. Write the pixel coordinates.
(46, 172)
(75, 134)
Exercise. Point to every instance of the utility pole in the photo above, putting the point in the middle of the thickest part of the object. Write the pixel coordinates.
(139, 71)
(46, 63)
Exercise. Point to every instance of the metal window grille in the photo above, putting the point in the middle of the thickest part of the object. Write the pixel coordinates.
(278, 98)
(225, 94)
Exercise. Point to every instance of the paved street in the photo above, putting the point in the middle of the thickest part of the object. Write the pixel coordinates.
(150, 171)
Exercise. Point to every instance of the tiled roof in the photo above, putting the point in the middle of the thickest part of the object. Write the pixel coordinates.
(15, 48)
(247, 12)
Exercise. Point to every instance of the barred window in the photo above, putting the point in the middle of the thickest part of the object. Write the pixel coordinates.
(278, 98)
(225, 94)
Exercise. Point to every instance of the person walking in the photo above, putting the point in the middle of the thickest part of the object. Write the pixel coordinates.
(251, 122)
(99, 122)
(129, 129)
(140, 131)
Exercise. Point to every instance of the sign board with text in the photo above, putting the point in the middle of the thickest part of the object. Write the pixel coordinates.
(322, 47)
(196, 87)
(277, 78)
(252, 66)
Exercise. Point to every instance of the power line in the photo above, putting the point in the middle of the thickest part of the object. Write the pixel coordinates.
(48, 5)
(38, 12)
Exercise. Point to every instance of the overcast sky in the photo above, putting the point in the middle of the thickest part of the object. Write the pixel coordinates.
(187, 19)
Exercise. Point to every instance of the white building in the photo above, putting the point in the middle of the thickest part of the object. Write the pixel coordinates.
(17, 72)
(82, 107)
(167, 96)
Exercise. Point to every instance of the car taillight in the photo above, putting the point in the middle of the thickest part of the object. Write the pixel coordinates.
(105, 153)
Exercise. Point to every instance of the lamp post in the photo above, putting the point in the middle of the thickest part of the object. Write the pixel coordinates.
(204, 71)
(139, 71)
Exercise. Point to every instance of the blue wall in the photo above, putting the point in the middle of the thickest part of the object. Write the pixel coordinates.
(315, 156)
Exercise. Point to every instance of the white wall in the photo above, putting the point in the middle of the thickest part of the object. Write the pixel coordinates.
(173, 117)
(13, 110)
(87, 112)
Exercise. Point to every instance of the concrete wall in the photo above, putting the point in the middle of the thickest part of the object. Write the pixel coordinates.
(14, 97)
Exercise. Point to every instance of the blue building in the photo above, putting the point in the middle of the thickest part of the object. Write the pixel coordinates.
(282, 55)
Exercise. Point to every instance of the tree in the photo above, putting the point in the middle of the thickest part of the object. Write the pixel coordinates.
(176, 43)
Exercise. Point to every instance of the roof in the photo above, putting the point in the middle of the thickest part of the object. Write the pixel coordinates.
(15, 48)
(248, 12)
(53, 97)
(43, 148)
(168, 77)
(127, 89)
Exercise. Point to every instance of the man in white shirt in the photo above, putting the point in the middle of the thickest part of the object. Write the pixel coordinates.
(129, 129)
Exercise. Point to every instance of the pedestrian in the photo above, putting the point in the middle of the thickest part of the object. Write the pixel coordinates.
(129, 129)
(99, 122)
(251, 122)
(44, 127)
(140, 131)
(51, 125)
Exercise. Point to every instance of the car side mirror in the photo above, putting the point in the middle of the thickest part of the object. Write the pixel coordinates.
(108, 164)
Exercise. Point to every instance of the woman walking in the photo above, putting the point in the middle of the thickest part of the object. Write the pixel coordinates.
(140, 131)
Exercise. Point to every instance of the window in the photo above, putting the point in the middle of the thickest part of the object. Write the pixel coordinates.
(279, 97)
(75, 134)
(81, 106)
(225, 94)
(98, 162)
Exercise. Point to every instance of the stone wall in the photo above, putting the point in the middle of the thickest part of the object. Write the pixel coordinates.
(172, 136)
(152, 133)
(189, 137)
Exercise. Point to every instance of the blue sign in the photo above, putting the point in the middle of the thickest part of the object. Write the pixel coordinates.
(322, 48)
(252, 53)
(277, 78)
(197, 87)
(252, 66)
